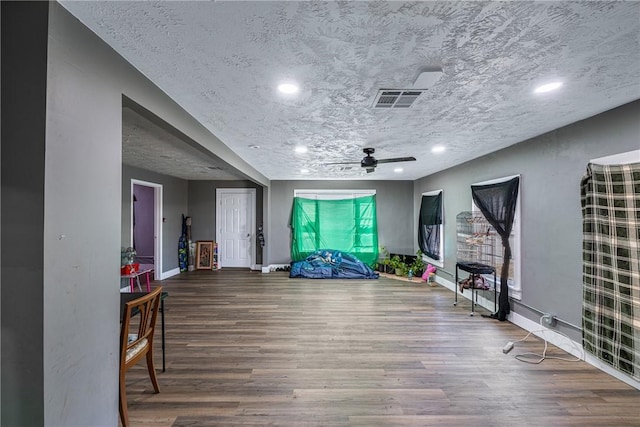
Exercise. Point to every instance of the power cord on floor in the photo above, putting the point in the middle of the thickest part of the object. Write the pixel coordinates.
(524, 357)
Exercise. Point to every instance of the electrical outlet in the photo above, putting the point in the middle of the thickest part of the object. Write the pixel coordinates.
(548, 320)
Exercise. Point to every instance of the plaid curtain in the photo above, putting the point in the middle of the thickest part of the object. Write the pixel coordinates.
(610, 196)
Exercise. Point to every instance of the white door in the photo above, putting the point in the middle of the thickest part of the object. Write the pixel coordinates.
(235, 226)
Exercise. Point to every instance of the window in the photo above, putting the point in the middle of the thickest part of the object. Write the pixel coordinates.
(514, 281)
(431, 227)
(335, 219)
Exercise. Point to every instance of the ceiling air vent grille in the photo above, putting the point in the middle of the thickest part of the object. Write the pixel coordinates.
(387, 98)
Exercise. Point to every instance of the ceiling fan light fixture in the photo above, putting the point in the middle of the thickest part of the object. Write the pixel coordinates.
(549, 87)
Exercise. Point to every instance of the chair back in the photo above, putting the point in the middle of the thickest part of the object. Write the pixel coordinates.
(144, 311)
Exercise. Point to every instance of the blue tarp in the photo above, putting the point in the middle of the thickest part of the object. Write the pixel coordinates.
(331, 264)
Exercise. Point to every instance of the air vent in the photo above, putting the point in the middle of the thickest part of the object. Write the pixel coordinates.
(400, 98)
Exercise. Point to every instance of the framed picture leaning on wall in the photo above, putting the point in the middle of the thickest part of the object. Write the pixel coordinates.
(204, 255)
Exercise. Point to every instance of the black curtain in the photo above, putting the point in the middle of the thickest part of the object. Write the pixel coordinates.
(497, 202)
(429, 225)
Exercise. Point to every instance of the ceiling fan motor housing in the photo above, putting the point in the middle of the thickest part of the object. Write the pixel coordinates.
(368, 162)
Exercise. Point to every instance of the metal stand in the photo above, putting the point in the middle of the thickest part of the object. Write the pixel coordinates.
(475, 269)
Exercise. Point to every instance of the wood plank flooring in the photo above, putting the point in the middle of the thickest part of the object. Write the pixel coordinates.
(252, 349)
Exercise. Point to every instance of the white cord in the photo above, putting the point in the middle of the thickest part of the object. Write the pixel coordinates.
(541, 357)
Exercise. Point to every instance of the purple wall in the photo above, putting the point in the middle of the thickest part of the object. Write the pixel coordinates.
(143, 220)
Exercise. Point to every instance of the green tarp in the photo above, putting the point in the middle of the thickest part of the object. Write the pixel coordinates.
(348, 225)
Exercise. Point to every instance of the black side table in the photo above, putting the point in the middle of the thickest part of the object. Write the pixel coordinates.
(475, 269)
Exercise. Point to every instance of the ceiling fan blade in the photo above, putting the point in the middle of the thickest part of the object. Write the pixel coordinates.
(342, 163)
(369, 170)
(397, 159)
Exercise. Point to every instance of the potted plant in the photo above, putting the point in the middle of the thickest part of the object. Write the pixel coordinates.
(417, 266)
(387, 266)
(397, 264)
(383, 259)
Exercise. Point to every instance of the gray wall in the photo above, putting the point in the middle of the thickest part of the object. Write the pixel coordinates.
(82, 226)
(174, 204)
(202, 208)
(72, 204)
(394, 210)
(24, 60)
(551, 167)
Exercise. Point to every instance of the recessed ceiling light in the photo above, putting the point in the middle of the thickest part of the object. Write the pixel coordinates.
(548, 87)
(301, 149)
(438, 149)
(398, 170)
(288, 88)
(304, 170)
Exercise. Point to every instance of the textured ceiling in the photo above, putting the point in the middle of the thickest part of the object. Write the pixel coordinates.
(222, 62)
(151, 146)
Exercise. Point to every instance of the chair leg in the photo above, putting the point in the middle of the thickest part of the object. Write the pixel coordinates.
(152, 370)
(124, 413)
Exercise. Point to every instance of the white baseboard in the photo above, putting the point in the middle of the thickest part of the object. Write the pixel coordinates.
(570, 346)
(272, 267)
(167, 274)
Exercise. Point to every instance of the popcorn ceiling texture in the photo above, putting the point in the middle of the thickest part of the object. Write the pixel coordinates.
(222, 61)
(148, 146)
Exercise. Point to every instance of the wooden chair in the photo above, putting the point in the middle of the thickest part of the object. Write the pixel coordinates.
(140, 345)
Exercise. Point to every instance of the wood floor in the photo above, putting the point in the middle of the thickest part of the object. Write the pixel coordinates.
(252, 349)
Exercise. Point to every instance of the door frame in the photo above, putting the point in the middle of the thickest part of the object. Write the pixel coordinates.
(157, 223)
(252, 229)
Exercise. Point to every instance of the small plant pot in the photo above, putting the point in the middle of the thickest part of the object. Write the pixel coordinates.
(432, 280)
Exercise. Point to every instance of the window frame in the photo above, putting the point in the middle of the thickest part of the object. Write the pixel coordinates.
(324, 194)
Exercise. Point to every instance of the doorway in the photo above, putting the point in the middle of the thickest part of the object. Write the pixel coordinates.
(146, 224)
(235, 226)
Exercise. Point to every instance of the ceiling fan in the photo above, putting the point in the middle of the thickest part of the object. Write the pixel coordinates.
(369, 162)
